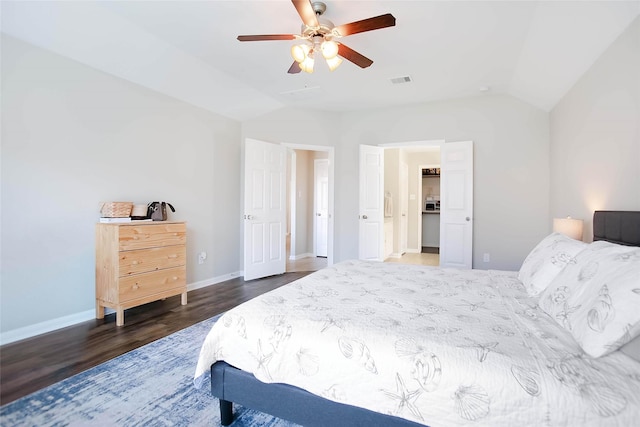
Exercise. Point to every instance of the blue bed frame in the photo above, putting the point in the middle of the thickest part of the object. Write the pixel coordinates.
(232, 385)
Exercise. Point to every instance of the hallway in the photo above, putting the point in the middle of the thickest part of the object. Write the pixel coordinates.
(417, 259)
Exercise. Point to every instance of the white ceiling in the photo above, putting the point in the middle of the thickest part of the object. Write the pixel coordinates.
(532, 50)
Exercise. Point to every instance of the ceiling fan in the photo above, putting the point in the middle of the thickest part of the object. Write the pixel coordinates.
(320, 36)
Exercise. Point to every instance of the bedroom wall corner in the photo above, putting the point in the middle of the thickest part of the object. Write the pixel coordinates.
(73, 137)
(595, 136)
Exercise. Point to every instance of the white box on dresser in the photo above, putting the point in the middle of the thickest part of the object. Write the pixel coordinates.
(139, 262)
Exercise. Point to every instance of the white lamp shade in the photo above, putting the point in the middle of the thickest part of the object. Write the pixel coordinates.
(307, 64)
(300, 52)
(334, 62)
(569, 227)
(329, 49)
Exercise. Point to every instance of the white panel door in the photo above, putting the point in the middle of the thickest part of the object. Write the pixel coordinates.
(456, 204)
(371, 221)
(264, 209)
(321, 197)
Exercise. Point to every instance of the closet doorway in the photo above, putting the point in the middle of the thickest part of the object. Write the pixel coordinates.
(406, 226)
(378, 233)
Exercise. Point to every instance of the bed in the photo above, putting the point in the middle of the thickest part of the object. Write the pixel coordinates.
(364, 343)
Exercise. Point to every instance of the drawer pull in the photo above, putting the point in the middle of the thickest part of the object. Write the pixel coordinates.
(172, 256)
(136, 287)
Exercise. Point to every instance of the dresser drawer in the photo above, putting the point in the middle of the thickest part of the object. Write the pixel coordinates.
(145, 284)
(145, 260)
(151, 235)
(139, 262)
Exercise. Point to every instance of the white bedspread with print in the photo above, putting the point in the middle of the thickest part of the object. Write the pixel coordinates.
(442, 347)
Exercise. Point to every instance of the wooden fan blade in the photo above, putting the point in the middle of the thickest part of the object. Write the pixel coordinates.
(353, 56)
(256, 38)
(306, 12)
(295, 68)
(382, 21)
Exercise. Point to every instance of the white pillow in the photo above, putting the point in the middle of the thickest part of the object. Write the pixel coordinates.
(546, 260)
(598, 298)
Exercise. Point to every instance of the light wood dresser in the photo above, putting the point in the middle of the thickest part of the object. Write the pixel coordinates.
(139, 262)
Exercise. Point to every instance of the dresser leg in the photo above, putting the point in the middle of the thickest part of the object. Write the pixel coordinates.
(99, 311)
(184, 298)
(119, 316)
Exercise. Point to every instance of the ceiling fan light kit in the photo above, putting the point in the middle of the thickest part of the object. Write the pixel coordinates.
(318, 35)
(304, 53)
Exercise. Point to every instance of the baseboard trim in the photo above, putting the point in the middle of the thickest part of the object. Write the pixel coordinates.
(46, 326)
(84, 316)
(301, 256)
(214, 281)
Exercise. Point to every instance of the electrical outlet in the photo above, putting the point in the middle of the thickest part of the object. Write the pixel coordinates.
(201, 257)
(486, 257)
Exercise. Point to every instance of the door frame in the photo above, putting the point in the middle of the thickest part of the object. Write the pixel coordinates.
(428, 143)
(316, 209)
(330, 223)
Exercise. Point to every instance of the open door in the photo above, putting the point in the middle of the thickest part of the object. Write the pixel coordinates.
(371, 220)
(456, 204)
(264, 209)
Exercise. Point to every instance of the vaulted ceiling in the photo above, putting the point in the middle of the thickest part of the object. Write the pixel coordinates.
(532, 50)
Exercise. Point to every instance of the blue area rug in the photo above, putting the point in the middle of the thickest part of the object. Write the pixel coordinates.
(149, 386)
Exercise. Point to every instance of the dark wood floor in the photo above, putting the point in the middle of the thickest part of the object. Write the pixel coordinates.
(29, 365)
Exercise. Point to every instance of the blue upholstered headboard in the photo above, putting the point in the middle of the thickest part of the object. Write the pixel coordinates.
(622, 227)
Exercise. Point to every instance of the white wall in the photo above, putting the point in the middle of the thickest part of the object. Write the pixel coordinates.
(595, 136)
(73, 137)
(511, 140)
(510, 167)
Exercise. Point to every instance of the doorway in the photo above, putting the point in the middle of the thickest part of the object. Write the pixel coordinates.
(309, 194)
(418, 227)
(456, 225)
(275, 213)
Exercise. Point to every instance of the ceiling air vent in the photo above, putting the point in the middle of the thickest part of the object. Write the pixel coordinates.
(401, 80)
